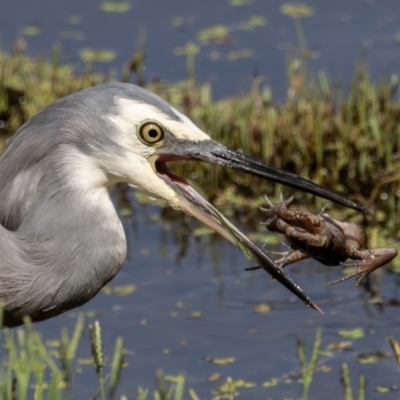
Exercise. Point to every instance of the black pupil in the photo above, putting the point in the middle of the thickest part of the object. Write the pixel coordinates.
(153, 133)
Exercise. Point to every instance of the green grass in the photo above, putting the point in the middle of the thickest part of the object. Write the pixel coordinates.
(31, 368)
(347, 139)
(35, 369)
(29, 84)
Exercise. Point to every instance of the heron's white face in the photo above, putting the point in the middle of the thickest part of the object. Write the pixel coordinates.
(143, 130)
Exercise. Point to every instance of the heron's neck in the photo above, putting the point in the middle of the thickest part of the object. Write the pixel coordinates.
(73, 241)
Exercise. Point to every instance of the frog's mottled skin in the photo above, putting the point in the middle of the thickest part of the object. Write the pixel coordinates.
(325, 239)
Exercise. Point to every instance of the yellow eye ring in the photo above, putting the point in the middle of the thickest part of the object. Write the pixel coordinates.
(151, 133)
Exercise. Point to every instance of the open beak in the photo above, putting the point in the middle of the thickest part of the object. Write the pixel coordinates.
(214, 153)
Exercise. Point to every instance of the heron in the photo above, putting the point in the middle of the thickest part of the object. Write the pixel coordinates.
(61, 239)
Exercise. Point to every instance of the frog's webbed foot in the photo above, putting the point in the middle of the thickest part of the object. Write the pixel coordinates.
(281, 204)
(372, 260)
(349, 276)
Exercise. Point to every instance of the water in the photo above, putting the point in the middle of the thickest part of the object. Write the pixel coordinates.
(208, 276)
(340, 31)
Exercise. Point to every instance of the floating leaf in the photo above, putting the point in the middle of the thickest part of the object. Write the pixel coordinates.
(238, 3)
(93, 314)
(340, 346)
(297, 10)
(235, 55)
(217, 33)
(324, 368)
(119, 290)
(31, 30)
(254, 22)
(228, 389)
(262, 308)
(175, 378)
(220, 361)
(372, 357)
(191, 49)
(85, 361)
(97, 55)
(271, 383)
(214, 377)
(356, 333)
(194, 315)
(115, 6)
(385, 389)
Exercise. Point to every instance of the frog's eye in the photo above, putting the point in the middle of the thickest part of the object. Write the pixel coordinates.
(151, 133)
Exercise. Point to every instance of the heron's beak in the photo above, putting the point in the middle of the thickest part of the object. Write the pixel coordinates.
(212, 152)
(215, 153)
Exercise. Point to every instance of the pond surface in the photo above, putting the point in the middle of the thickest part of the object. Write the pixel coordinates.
(208, 276)
(340, 31)
(209, 282)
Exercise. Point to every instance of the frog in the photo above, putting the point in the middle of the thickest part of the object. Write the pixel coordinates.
(325, 239)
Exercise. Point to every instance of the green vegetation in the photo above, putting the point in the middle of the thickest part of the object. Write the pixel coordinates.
(308, 368)
(347, 140)
(29, 84)
(39, 370)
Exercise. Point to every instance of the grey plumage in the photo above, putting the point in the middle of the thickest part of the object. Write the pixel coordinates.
(42, 263)
(55, 251)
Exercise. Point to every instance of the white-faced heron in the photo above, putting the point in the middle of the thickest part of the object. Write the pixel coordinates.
(61, 239)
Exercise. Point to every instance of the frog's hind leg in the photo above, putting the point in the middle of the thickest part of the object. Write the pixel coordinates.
(370, 260)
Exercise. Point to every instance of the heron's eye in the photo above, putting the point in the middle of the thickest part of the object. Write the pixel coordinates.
(151, 133)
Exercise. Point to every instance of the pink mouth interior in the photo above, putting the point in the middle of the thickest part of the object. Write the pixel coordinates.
(163, 170)
(165, 173)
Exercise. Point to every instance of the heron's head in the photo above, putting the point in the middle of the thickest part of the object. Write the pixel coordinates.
(149, 133)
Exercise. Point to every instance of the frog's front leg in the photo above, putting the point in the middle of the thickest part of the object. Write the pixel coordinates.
(300, 219)
(291, 257)
(302, 239)
(288, 257)
(370, 261)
